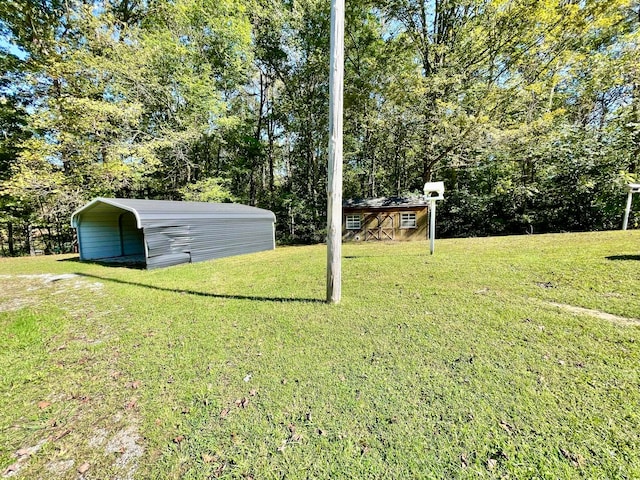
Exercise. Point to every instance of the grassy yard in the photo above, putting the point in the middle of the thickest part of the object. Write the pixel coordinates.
(472, 363)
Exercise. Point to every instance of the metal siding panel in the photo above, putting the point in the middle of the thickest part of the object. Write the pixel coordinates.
(132, 236)
(99, 239)
(165, 240)
(223, 239)
(167, 260)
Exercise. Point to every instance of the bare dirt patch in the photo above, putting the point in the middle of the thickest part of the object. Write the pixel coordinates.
(597, 314)
(20, 291)
(125, 444)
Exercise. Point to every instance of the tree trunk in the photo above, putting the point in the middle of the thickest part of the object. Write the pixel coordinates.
(29, 241)
(10, 238)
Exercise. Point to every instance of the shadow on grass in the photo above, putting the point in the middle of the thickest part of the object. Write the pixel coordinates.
(624, 257)
(204, 294)
(123, 264)
(389, 255)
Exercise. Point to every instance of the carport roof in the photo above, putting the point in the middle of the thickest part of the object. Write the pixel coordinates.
(151, 211)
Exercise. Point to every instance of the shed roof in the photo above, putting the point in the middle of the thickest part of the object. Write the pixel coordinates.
(385, 202)
(150, 211)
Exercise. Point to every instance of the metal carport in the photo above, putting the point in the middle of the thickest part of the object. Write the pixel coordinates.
(160, 233)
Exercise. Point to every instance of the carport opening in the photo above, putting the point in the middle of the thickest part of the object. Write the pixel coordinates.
(110, 235)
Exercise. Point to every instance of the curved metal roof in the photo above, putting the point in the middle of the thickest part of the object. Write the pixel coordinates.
(152, 211)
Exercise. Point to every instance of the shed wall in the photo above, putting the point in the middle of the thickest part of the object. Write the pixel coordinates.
(391, 216)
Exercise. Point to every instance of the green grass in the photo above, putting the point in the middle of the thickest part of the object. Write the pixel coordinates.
(447, 366)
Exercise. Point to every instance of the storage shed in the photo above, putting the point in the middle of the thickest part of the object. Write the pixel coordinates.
(385, 218)
(160, 233)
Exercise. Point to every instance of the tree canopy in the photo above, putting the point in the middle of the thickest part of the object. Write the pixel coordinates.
(528, 111)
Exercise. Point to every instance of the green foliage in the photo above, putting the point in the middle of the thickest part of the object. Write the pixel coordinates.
(208, 190)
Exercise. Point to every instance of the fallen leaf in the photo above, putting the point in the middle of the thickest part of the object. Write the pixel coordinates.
(283, 381)
(492, 463)
(464, 460)
(206, 458)
(220, 469)
(253, 393)
(135, 385)
(131, 404)
(224, 413)
(247, 378)
(506, 427)
(59, 435)
(178, 439)
(158, 421)
(576, 459)
(296, 437)
(43, 404)
(321, 432)
(291, 427)
(242, 402)
(83, 468)
(282, 447)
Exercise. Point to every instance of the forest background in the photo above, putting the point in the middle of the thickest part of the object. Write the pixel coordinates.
(528, 110)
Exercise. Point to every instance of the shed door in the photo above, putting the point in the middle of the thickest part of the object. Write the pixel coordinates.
(131, 237)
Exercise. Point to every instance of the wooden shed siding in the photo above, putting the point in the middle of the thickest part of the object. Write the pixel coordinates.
(370, 222)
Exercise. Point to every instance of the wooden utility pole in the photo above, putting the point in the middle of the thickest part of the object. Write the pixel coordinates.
(334, 187)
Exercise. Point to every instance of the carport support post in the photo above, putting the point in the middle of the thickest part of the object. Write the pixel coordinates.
(627, 210)
(432, 225)
(334, 187)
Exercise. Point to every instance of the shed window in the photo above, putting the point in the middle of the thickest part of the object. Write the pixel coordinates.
(408, 220)
(354, 222)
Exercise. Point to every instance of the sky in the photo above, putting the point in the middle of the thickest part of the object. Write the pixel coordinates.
(7, 46)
